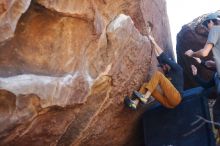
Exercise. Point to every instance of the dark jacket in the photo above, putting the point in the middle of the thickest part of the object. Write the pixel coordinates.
(175, 73)
(205, 84)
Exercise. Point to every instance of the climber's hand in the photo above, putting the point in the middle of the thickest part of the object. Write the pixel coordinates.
(194, 70)
(189, 53)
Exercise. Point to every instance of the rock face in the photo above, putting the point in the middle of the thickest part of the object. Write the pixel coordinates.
(192, 36)
(10, 12)
(66, 71)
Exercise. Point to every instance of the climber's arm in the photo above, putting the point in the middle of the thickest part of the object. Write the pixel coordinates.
(156, 47)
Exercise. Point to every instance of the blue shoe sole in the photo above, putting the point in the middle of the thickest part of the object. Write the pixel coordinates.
(137, 94)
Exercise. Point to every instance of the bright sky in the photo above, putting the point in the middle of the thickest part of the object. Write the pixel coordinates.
(181, 12)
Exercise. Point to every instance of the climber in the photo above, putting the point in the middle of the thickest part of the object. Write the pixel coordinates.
(212, 22)
(172, 89)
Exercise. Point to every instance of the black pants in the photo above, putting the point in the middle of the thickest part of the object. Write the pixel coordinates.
(216, 112)
(216, 107)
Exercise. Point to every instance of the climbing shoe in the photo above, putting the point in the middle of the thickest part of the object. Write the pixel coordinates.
(150, 99)
(140, 96)
(129, 103)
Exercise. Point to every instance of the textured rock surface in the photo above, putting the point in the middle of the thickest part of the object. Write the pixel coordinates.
(10, 12)
(70, 64)
(192, 36)
(14, 110)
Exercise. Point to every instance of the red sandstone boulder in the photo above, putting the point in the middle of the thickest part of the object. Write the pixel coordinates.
(10, 12)
(73, 62)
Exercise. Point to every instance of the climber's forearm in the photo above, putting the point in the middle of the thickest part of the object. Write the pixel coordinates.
(155, 46)
(157, 49)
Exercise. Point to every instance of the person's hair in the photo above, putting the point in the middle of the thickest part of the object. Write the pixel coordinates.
(215, 21)
(162, 64)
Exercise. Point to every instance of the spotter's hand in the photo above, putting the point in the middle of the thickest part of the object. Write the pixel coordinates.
(189, 53)
(194, 70)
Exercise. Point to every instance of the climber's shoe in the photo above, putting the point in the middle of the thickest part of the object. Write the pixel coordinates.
(150, 99)
(129, 103)
(140, 96)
